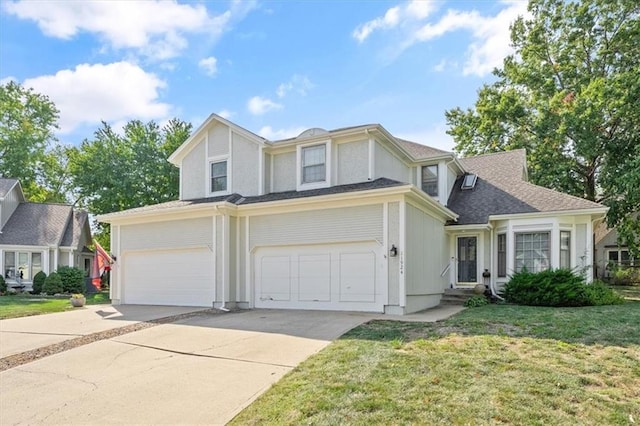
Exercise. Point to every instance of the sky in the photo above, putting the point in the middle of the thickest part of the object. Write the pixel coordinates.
(275, 68)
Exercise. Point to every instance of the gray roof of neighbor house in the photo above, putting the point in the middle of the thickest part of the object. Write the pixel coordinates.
(35, 224)
(501, 188)
(6, 185)
(238, 199)
(72, 234)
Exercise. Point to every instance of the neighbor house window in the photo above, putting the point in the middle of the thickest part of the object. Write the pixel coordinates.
(10, 265)
(219, 176)
(620, 257)
(532, 251)
(21, 265)
(565, 249)
(502, 255)
(36, 263)
(314, 167)
(430, 180)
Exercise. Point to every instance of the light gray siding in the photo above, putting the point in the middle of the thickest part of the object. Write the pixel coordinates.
(194, 173)
(242, 261)
(284, 172)
(220, 250)
(394, 262)
(359, 223)
(267, 173)
(233, 257)
(218, 136)
(169, 234)
(425, 257)
(353, 162)
(245, 167)
(389, 166)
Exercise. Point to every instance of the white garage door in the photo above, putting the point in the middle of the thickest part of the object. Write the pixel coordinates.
(334, 277)
(171, 277)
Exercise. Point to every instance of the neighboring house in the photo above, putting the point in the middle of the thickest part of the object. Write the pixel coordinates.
(609, 254)
(38, 237)
(351, 219)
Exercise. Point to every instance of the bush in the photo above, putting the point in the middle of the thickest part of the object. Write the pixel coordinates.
(52, 284)
(476, 301)
(3, 285)
(72, 279)
(559, 287)
(38, 282)
(625, 276)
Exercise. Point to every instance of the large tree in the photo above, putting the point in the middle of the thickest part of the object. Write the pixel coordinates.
(28, 121)
(117, 171)
(569, 95)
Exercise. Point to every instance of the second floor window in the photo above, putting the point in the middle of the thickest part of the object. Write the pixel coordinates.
(314, 164)
(219, 176)
(430, 180)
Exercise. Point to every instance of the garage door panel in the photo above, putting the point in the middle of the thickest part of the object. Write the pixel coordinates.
(276, 276)
(357, 277)
(181, 277)
(314, 277)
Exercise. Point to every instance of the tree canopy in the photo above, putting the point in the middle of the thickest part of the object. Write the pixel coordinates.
(569, 95)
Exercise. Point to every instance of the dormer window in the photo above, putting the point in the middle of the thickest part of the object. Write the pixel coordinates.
(430, 180)
(314, 166)
(469, 181)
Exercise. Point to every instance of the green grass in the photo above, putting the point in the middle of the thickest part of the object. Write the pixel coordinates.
(23, 305)
(629, 292)
(497, 364)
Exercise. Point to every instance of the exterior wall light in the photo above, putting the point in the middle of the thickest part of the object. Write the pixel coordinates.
(394, 251)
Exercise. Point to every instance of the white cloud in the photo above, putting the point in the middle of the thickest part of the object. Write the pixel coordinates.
(225, 113)
(298, 83)
(269, 133)
(440, 66)
(209, 65)
(113, 92)
(6, 80)
(490, 36)
(435, 137)
(154, 28)
(259, 105)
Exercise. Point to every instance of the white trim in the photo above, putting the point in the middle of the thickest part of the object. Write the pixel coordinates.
(215, 160)
(271, 173)
(300, 186)
(261, 170)
(598, 210)
(479, 258)
(248, 279)
(214, 251)
(402, 291)
(372, 158)
(237, 259)
(385, 251)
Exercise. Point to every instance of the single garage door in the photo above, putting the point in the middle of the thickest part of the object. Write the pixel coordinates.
(169, 277)
(330, 277)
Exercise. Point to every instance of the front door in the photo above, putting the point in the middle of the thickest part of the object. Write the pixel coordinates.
(467, 259)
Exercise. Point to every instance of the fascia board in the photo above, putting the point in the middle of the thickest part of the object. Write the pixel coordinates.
(471, 227)
(579, 212)
(119, 218)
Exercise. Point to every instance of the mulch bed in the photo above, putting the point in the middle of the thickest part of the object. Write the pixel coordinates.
(16, 360)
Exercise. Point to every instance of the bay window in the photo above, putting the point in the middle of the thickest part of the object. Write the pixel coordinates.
(532, 251)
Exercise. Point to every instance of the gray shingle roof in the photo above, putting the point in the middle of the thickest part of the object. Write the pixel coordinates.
(74, 229)
(36, 224)
(238, 199)
(419, 151)
(501, 189)
(6, 185)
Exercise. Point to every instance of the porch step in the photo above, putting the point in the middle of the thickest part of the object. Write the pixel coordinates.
(456, 296)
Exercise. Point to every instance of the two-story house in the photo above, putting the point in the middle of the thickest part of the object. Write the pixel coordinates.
(38, 237)
(348, 219)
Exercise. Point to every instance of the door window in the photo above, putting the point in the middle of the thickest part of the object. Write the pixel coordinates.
(467, 259)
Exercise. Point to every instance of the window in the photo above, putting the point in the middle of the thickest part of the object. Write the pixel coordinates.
(502, 255)
(430, 180)
(22, 265)
(532, 251)
(10, 265)
(469, 181)
(219, 176)
(314, 164)
(565, 249)
(620, 257)
(36, 263)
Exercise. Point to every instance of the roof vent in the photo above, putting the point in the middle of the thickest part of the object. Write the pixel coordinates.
(469, 181)
(315, 131)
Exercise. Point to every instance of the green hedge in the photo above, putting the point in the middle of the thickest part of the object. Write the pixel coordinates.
(52, 284)
(72, 279)
(557, 287)
(3, 284)
(38, 282)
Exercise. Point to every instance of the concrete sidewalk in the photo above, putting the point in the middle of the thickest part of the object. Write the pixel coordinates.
(22, 334)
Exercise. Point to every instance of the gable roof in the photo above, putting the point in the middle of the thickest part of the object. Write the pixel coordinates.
(73, 232)
(34, 224)
(6, 185)
(502, 190)
(419, 151)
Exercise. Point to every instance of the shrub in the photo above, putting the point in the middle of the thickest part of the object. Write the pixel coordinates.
(599, 293)
(625, 276)
(476, 301)
(52, 284)
(38, 282)
(3, 285)
(559, 287)
(72, 279)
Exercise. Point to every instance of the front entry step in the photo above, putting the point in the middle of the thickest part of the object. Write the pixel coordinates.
(456, 296)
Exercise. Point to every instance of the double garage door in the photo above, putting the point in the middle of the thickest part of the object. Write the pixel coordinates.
(335, 277)
(169, 277)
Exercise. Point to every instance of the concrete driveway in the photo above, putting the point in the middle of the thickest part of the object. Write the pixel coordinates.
(200, 370)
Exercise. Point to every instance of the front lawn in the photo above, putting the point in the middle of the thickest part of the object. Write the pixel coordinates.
(23, 305)
(490, 365)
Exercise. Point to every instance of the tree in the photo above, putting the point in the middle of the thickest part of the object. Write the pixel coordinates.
(569, 96)
(115, 172)
(27, 124)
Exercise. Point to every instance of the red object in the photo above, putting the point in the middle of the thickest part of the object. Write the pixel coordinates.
(101, 262)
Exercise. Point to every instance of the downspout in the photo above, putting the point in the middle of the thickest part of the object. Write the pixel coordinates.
(223, 306)
(492, 278)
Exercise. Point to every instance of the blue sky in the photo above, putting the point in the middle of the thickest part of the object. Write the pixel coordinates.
(273, 67)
